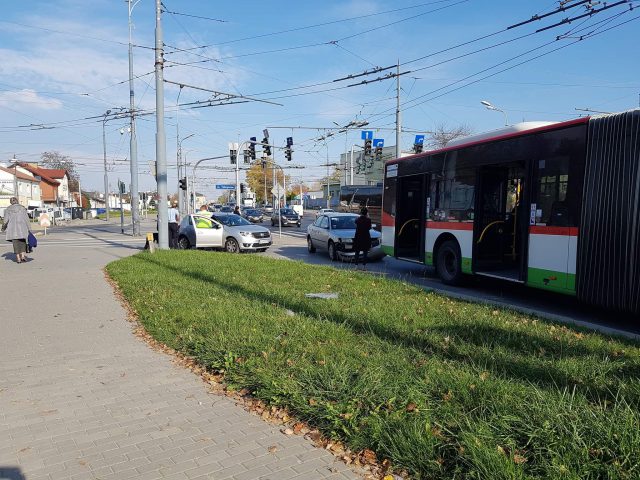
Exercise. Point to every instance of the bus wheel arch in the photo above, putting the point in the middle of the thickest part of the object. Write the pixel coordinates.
(447, 258)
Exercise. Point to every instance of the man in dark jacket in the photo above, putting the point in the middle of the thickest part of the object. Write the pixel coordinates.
(362, 239)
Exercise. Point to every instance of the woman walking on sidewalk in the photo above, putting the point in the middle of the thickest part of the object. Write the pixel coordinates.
(16, 224)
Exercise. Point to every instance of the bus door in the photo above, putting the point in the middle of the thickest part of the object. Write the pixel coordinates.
(410, 218)
(501, 222)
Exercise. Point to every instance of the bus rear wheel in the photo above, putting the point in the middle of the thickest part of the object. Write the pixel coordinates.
(449, 263)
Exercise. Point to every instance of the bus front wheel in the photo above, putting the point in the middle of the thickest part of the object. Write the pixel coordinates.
(449, 263)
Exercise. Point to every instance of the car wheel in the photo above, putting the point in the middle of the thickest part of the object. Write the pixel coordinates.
(333, 254)
(183, 243)
(310, 246)
(231, 246)
(449, 263)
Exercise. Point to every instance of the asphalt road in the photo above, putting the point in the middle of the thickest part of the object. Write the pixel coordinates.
(292, 245)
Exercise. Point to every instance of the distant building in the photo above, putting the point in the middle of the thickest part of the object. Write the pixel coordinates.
(54, 183)
(28, 187)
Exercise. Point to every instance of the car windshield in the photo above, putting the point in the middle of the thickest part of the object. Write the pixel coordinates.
(231, 220)
(343, 223)
(287, 211)
(253, 212)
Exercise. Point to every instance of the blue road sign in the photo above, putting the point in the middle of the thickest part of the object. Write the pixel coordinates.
(419, 140)
(225, 186)
(378, 142)
(366, 134)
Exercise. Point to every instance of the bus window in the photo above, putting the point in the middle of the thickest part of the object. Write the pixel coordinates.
(453, 198)
(551, 202)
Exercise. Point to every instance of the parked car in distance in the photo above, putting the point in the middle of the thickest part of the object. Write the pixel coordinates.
(222, 230)
(322, 211)
(267, 209)
(334, 232)
(286, 217)
(226, 209)
(253, 215)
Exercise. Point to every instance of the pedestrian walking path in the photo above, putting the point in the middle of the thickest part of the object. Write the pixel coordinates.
(82, 398)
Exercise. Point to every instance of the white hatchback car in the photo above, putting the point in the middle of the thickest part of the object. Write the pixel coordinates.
(322, 211)
(220, 230)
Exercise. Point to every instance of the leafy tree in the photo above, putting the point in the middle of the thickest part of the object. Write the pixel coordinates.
(58, 161)
(257, 177)
(443, 135)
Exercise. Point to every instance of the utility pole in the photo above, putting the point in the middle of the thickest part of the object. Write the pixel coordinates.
(104, 151)
(161, 147)
(133, 143)
(398, 120)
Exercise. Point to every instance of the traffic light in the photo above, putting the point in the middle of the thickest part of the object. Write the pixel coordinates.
(378, 153)
(242, 188)
(417, 147)
(182, 183)
(247, 156)
(266, 148)
(233, 155)
(264, 164)
(252, 147)
(287, 154)
(367, 147)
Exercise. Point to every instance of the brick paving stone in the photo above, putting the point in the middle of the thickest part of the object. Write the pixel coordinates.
(84, 398)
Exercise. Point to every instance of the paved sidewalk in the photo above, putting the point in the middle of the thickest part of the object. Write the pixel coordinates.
(82, 398)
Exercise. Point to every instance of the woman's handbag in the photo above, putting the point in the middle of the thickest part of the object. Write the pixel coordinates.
(32, 242)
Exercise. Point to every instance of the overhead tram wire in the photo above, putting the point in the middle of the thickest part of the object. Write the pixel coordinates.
(390, 76)
(412, 103)
(379, 69)
(317, 44)
(60, 32)
(333, 22)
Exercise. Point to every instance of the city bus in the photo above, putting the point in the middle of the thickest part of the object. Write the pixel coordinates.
(550, 205)
(354, 197)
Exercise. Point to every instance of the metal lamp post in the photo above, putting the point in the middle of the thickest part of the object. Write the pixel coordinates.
(104, 150)
(489, 106)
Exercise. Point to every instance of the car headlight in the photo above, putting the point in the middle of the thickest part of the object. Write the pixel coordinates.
(245, 234)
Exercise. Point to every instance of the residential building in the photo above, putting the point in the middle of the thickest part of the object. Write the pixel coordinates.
(28, 187)
(54, 183)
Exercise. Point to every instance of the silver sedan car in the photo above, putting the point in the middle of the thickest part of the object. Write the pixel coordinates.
(220, 230)
(334, 232)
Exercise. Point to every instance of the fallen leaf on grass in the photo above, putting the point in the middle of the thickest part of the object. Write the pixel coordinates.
(519, 459)
(411, 407)
(297, 428)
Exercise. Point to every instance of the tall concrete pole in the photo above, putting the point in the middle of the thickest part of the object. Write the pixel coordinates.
(106, 177)
(398, 119)
(133, 143)
(161, 147)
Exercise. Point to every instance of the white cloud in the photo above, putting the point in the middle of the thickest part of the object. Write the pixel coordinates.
(30, 97)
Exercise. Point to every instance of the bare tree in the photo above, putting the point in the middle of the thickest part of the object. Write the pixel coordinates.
(58, 161)
(443, 134)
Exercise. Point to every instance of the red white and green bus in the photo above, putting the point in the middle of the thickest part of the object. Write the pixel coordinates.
(551, 205)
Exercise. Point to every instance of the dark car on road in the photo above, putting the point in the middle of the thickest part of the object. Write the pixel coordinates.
(253, 215)
(287, 216)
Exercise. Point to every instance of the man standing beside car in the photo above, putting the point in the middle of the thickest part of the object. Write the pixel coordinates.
(174, 223)
(362, 238)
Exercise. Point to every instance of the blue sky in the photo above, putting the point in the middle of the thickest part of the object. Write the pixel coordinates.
(66, 60)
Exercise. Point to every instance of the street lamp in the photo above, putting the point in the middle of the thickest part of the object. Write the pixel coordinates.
(104, 150)
(489, 106)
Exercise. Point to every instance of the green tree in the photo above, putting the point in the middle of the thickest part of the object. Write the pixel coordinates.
(257, 178)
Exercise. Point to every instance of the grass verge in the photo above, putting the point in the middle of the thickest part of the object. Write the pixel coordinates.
(442, 388)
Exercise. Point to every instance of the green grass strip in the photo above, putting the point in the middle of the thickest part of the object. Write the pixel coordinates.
(443, 388)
